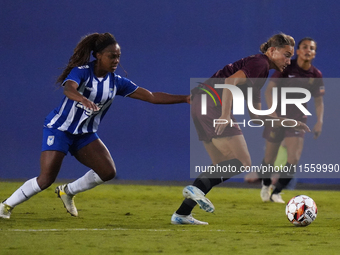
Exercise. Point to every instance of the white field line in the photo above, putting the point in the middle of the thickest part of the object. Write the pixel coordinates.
(124, 229)
(106, 229)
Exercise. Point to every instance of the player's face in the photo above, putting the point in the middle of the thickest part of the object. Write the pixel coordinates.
(306, 50)
(108, 59)
(281, 56)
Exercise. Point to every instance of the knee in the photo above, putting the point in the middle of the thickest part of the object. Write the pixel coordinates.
(109, 175)
(44, 181)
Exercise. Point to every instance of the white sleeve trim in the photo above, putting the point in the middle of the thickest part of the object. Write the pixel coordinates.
(63, 84)
(131, 92)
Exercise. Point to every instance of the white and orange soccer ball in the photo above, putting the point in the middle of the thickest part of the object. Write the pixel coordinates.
(301, 210)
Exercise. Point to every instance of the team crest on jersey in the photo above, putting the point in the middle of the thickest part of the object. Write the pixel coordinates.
(50, 140)
(272, 134)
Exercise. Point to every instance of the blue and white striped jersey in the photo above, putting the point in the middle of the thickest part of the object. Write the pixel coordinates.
(71, 116)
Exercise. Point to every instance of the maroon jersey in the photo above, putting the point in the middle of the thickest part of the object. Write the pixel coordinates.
(294, 76)
(254, 67)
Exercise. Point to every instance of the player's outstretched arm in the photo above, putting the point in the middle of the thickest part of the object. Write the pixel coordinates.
(319, 109)
(159, 97)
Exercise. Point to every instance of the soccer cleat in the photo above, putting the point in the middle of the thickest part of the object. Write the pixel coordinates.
(197, 195)
(177, 219)
(5, 211)
(265, 193)
(68, 200)
(277, 198)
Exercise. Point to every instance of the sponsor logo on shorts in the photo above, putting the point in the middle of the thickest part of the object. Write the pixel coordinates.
(50, 140)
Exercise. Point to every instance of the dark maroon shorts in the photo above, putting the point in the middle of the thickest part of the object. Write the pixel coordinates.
(276, 135)
(205, 123)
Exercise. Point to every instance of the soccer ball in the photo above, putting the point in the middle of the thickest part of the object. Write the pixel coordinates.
(301, 210)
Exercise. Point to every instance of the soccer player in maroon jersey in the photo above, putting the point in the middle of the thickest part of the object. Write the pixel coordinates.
(301, 73)
(225, 143)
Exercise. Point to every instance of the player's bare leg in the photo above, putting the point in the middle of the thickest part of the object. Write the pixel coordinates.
(269, 159)
(271, 152)
(225, 151)
(235, 146)
(96, 156)
(294, 147)
(50, 162)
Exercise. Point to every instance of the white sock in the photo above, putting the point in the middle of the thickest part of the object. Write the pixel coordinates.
(25, 192)
(86, 182)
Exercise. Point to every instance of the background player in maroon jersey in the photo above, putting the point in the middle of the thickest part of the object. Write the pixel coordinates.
(224, 143)
(301, 73)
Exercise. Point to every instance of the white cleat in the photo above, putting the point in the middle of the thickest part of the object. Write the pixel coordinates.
(68, 200)
(277, 198)
(177, 219)
(265, 193)
(5, 211)
(198, 196)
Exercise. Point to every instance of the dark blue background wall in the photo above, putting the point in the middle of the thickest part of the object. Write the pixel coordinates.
(164, 44)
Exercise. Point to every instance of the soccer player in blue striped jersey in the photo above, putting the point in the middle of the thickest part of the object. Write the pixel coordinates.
(89, 89)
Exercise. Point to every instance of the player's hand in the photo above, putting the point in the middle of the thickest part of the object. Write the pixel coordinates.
(221, 124)
(302, 127)
(89, 105)
(317, 130)
(188, 99)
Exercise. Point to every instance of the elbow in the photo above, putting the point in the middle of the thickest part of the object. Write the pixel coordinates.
(153, 100)
(66, 93)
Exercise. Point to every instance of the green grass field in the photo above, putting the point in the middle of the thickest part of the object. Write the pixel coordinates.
(135, 219)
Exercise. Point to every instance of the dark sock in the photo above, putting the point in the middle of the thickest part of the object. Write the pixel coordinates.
(186, 207)
(205, 184)
(285, 178)
(281, 184)
(266, 180)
